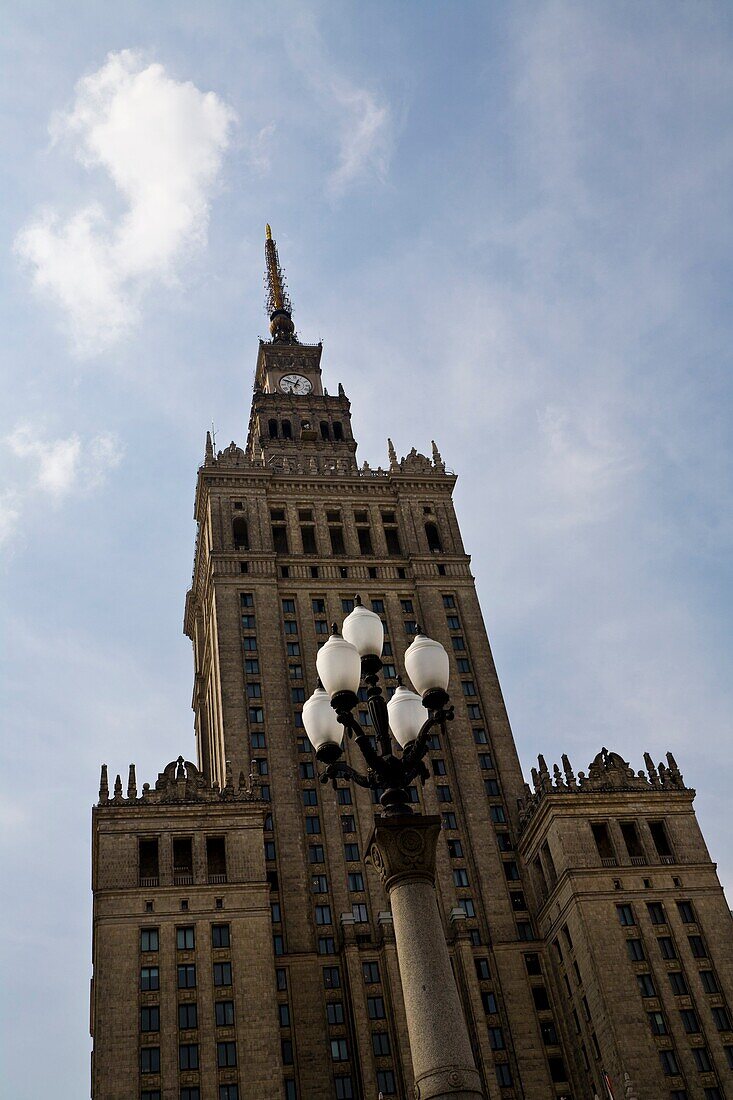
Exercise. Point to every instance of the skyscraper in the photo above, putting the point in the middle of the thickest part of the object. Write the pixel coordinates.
(243, 946)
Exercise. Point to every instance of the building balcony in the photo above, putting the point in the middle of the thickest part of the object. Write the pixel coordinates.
(217, 880)
(609, 861)
(182, 878)
(638, 861)
(148, 880)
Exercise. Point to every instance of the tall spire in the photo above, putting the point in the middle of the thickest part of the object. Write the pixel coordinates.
(279, 306)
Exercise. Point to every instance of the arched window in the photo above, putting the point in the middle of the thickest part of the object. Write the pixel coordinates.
(433, 535)
(325, 433)
(272, 428)
(338, 431)
(287, 430)
(241, 533)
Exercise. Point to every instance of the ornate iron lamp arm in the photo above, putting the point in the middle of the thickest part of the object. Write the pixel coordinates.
(413, 754)
(339, 769)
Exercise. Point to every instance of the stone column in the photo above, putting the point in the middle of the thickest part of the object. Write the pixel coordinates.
(402, 849)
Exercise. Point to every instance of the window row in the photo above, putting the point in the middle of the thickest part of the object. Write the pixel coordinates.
(185, 976)
(185, 937)
(182, 861)
(633, 845)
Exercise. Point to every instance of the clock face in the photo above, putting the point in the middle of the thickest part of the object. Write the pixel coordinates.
(295, 383)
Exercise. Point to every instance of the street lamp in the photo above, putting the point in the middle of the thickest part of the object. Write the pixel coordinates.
(402, 846)
(342, 663)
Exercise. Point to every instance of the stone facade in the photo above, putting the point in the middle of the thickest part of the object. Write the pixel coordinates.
(290, 528)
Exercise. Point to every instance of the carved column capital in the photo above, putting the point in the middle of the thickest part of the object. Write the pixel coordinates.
(402, 849)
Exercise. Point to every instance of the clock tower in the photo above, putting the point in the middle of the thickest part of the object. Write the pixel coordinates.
(295, 425)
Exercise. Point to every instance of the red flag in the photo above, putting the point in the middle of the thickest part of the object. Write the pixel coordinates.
(607, 1082)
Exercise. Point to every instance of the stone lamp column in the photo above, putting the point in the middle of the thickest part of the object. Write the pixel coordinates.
(402, 849)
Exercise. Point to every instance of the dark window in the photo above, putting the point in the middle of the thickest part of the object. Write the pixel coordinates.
(359, 912)
(306, 770)
(631, 839)
(249, 645)
(228, 1092)
(540, 998)
(482, 969)
(454, 623)
(187, 1016)
(226, 1054)
(336, 535)
(460, 876)
(449, 820)
(149, 978)
(216, 860)
(661, 841)
(503, 1074)
(326, 945)
(272, 428)
(657, 1023)
(356, 881)
(287, 429)
(313, 825)
(604, 845)
(240, 532)
(339, 1050)
(344, 796)
(278, 945)
(721, 1019)
(280, 538)
(256, 716)
(150, 1018)
(532, 962)
(335, 1012)
(148, 862)
(220, 935)
(224, 1013)
(148, 939)
(635, 950)
(697, 946)
(351, 853)
(702, 1059)
(188, 1056)
(488, 1001)
(666, 947)
(323, 914)
(458, 643)
(325, 431)
(678, 983)
(338, 431)
(687, 913)
(331, 977)
(393, 541)
(656, 912)
(222, 974)
(315, 853)
(375, 1008)
(386, 1082)
(625, 915)
(150, 1060)
(365, 540)
(380, 1044)
(433, 536)
(344, 1088)
(286, 1048)
(187, 976)
(443, 793)
(192, 1092)
(370, 971)
(709, 981)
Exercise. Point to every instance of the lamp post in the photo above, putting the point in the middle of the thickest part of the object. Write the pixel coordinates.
(403, 844)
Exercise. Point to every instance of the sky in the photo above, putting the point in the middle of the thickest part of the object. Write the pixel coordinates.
(509, 223)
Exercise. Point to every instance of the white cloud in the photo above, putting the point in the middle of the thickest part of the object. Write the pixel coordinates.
(161, 142)
(365, 136)
(9, 515)
(56, 467)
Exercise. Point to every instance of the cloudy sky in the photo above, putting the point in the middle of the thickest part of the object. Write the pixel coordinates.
(510, 223)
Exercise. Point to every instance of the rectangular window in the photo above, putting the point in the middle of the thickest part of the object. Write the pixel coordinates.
(443, 793)
(690, 1022)
(306, 770)
(249, 645)
(326, 945)
(313, 825)
(252, 666)
(635, 950)
(192, 1092)
(370, 971)
(278, 945)
(310, 796)
(687, 913)
(187, 977)
(482, 969)
(150, 1018)
(661, 841)
(488, 1001)
(467, 906)
(256, 716)
(356, 882)
(290, 626)
(339, 1050)
(321, 626)
(228, 1092)
(288, 607)
(656, 912)
(625, 915)
(702, 1059)
(149, 939)
(336, 534)
(491, 786)
(455, 849)
(187, 1016)
(343, 796)
(149, 978)
(248, 622)
(335, 1012)
(386, 1080)
(222, 974)
(375, 1008)
(359, 913)
(458, 643)
(188, 1056)
(464, 665)
(331, 977)
(280, 538)
(460, 876)
(286, 1049)
(220, 935)
(721, 1019)
(150, 1060)
(498, 816)
(293, 649)
(439, 767)
(185, 939)
(254, 690)
(226, 1054)
(646, 985)
(351, 853)
(380, 1044)
(486, 761)
(224, 1011)
(344, 1088)
(697, 947)
(315, 853)
(709, 981)
(657, 1023)
(323, 914)
(503, 1075)
(666, 947)
(678, 983)
(449, 820)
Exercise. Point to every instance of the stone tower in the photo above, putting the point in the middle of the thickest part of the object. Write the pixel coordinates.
(290, 529)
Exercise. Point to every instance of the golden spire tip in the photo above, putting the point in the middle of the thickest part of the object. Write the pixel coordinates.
(268, 233)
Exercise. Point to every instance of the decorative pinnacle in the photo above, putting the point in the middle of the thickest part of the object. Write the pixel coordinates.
(278, 304)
